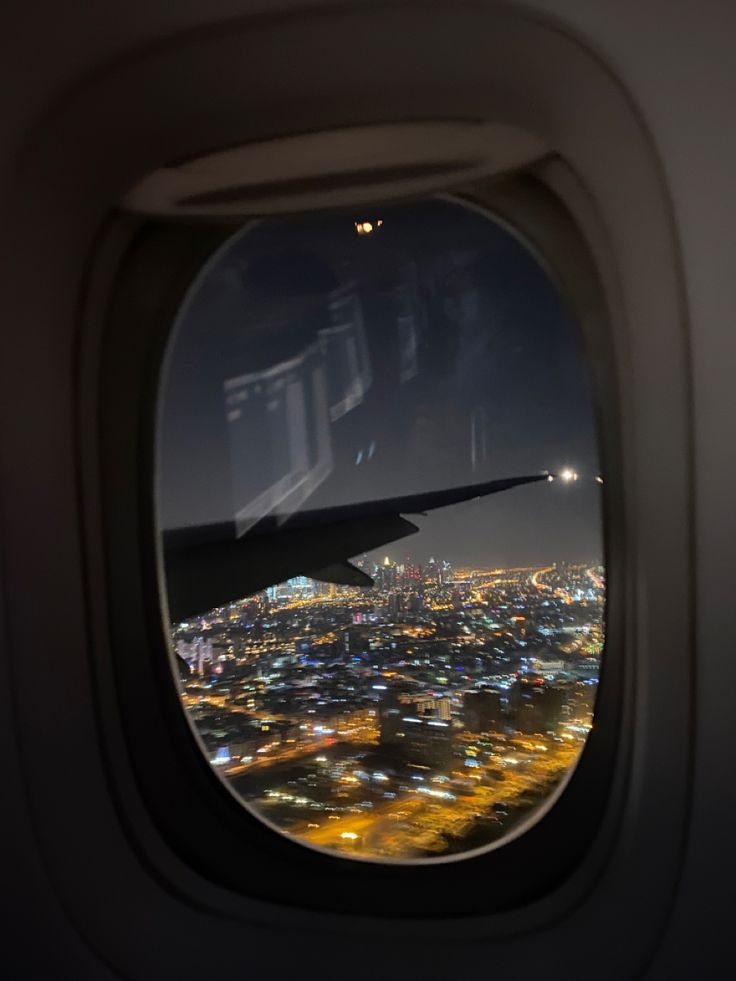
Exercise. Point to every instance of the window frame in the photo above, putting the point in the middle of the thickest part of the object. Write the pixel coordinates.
(185, 799)
(174, 91)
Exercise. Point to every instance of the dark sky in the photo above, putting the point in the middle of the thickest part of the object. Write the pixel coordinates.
(314, 366)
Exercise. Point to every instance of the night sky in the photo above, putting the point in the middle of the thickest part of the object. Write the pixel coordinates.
(433, 352)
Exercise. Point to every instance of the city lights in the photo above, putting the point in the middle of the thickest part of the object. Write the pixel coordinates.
(394, 721)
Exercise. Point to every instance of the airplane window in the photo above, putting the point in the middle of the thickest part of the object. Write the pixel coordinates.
(379, 501)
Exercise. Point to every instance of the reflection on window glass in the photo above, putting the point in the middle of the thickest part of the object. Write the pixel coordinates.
(379, 503)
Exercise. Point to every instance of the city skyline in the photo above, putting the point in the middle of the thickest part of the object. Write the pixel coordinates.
(423, 718)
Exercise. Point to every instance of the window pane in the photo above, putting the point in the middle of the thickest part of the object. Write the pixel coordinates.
(384, 652)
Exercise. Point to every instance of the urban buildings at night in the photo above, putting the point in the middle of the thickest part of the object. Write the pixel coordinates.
(420, 718)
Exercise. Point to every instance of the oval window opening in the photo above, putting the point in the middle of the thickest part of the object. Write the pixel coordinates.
(379, 500)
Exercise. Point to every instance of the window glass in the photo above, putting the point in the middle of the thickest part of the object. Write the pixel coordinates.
(379, 501)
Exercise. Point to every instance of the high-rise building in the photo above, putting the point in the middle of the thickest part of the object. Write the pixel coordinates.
(483, 710)
(385, 577)
(432, 706)
(301, 586)
(427, 742)
(394, 604)
(355, 640)
(417, 729)
(416, 602)
(390, 712)
(536, 705)
(197, 653)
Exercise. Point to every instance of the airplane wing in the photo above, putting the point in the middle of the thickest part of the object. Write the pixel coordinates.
(208, 567)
